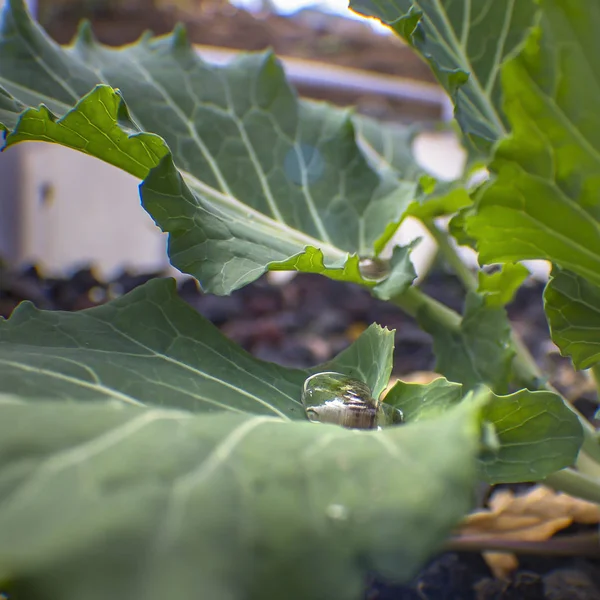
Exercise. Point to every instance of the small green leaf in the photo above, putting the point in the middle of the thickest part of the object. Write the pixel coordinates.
(499, 288)
(369, 358)
(150, 347)
(458, 229)
(419, 401)
(537, 434)
(466, 44)
(104, 501)
(480, 352)
(573, 309)
(402, 273)
(427, 183)
(444, 199)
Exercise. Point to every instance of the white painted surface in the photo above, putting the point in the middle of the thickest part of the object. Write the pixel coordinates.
(73, 209)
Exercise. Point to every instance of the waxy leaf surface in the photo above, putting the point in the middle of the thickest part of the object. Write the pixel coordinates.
(104, 501)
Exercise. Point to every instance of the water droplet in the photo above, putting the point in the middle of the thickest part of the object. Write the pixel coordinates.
(374, 268)
(331, 397)
(389, 415)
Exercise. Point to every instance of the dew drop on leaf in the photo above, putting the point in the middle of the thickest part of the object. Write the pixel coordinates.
(331, 397)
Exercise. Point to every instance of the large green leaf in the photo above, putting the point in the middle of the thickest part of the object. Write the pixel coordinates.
(254, 178)
(537, 433)
(543, 200)
(479, 352)
(388, 147)
(573, 310)
(101, 501)
(466, 43)
(150, 347)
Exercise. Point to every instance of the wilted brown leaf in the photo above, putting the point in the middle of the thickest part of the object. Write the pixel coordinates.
(532, 517)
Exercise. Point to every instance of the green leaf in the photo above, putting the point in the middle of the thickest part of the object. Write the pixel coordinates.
(402, 273)
(458, 229)
(572, 306)
(542, 201)
(445, 198)
(537, 433)
(419, 401)
(388, 146)
(465, 43)
(312, 261)
(93, 128)
(150, 347)
(100, 501)
(9, 107)
(499, 288)
(480, 352)
(254, 177)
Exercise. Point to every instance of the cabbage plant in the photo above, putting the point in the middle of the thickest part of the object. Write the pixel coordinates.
(143, 455)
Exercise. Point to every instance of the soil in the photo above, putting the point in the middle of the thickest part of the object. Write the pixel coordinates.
(308, 321)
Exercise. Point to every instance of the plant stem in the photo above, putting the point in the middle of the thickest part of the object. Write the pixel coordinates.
(576, 484)
(445, 246)
(414, 300)
(583, 544)
(587, 465)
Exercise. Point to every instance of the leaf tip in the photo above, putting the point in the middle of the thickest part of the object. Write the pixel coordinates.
(179, 37)
(85, 35)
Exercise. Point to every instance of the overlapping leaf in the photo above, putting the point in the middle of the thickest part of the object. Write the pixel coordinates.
(479, 352)
(102, 501)
(573, 310)
(254, 176)
(466, 43)
(150, 347)
(536, 433)
(389, 146)
(500, 287)
(543, 201)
